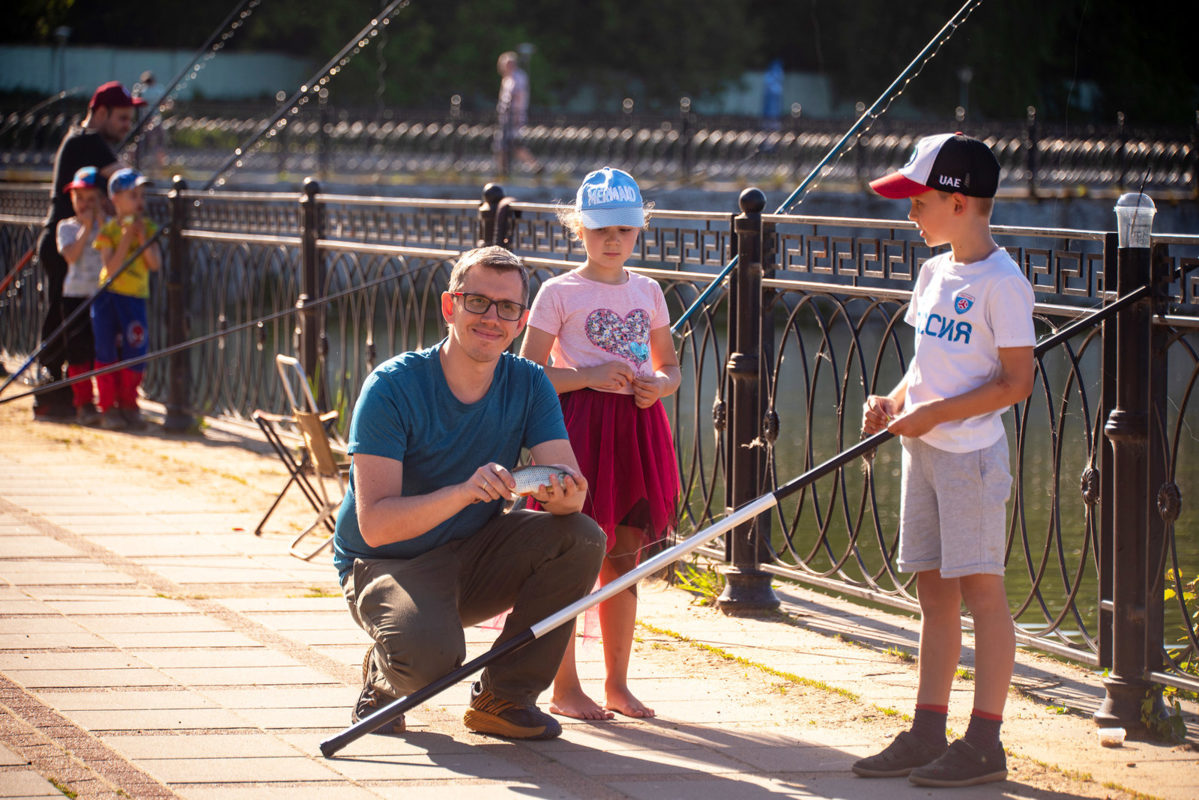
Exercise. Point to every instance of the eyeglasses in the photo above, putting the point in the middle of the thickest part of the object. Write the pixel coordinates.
(479, 303)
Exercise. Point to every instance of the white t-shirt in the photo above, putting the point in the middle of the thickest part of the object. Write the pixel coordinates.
(594, 323)
(83, 277)
(963, 314)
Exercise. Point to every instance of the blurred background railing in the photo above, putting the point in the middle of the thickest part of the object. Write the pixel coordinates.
(833, 295)
(324, 140)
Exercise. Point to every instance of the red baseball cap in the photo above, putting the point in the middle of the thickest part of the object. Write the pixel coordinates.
(114, 95)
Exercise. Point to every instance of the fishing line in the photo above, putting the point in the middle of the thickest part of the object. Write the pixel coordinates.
(236, 18)
(868, 117)
(38, 107)
(313, 87)
(208, 337)
(317, 83)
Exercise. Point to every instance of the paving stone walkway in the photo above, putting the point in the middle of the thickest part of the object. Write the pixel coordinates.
(151, 647)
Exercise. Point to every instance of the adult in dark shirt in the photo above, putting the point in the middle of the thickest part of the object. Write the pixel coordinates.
(109, 119)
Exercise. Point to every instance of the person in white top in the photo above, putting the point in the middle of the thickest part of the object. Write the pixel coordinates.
(512, 111)
(603, 335)
(75, 237)
(972, 313)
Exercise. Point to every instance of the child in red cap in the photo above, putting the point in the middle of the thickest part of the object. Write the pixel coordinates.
(972, 311)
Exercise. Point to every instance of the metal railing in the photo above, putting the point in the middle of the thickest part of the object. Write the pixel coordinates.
(345, 282)
(326, 140)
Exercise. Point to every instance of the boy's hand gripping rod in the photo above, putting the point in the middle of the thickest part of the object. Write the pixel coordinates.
(740, 516)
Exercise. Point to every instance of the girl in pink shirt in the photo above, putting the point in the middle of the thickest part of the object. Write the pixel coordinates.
(603, 335)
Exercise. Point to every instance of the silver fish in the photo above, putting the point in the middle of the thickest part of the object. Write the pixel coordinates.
(530, 479)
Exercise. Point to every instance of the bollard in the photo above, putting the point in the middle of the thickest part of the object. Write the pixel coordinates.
(1031, 144)
(307, 344)
(686, 155)
(1127, 686)
(747, 588)
(495, 217)
(178, 402)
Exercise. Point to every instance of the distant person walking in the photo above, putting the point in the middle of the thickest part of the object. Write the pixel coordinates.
(109, 119)
(512, 112)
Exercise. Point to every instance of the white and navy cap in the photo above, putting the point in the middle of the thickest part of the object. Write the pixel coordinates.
(951, 162)
(610, 197)
(125, 179)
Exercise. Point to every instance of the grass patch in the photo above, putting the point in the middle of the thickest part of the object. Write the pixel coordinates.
(62, 787)
(798, 680)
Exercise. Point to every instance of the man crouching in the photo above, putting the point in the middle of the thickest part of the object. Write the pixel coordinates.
(422, 548)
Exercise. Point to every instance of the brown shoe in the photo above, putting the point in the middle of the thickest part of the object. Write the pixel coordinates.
(489, 714)
(371, 699)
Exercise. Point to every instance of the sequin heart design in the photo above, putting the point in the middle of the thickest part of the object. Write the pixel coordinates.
(627, 338)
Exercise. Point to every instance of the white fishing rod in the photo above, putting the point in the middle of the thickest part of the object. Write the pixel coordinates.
(740, 516)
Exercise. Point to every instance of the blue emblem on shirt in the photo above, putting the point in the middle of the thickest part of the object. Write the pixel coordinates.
(962, 303)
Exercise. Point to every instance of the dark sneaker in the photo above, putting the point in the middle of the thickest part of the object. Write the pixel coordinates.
(489, 714)
(371, 699)
(112, 420)
(52, 412)
(133, 419)
(962, 765)
(903, 755)
(87, 415)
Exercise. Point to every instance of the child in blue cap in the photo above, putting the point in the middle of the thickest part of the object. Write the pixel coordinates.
(603, 334)
(119, 312)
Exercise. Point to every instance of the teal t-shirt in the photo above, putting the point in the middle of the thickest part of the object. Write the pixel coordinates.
(407, 412)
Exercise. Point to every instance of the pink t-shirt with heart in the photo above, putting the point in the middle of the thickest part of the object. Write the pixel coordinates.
(593, 323)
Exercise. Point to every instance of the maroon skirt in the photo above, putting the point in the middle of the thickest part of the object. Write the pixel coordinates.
(626, 454)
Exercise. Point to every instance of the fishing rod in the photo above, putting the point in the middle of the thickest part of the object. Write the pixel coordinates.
(12, 275)
(240, 13)
(318, 81)
(313, 87)
(744, 514)
(208, 337)
(869, 115)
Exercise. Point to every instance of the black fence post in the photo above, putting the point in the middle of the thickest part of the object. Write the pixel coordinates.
(1032, 145)
(308, 320)
(1122, 152)
(1131, 698)
(686, 154)
(495, 217)
(747, 588)
(1107, 404)
(178, 277)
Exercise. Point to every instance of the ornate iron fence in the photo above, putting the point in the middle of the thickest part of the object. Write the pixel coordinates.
(345, 282)
(327, 140)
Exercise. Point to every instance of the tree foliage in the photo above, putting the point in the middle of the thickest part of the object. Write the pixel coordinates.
(1075, 60)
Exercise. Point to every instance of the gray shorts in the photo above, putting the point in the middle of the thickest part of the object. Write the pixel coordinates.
(953, 515)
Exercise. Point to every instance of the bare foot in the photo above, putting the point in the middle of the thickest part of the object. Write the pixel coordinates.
(622, 700)
(578, 705)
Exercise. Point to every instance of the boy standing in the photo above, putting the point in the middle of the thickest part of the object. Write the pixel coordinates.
(76, 237)
(972, 311)
(120, 310)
